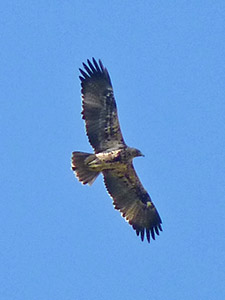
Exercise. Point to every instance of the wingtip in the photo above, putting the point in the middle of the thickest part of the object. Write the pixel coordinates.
(84, 74)
(148, 235)
(153, 233)
(92, 68)
(96, 64)
(101, 66)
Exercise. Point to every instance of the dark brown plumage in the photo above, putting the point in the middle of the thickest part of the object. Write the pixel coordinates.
(112, 156)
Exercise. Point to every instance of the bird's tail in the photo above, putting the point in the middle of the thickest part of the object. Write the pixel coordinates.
(84, 173)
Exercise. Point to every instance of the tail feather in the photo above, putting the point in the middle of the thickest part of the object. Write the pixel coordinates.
(82, 171)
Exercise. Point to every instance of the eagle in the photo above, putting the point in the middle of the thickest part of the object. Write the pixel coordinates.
(112, 157)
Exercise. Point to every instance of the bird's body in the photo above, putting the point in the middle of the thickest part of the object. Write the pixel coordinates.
(112, 157)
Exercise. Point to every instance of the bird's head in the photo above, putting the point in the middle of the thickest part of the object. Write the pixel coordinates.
(139, 153)
(135, 152)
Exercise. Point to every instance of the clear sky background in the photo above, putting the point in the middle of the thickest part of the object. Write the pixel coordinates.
(64, 241)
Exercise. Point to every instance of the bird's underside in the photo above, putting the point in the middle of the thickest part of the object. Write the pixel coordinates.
(112, 157)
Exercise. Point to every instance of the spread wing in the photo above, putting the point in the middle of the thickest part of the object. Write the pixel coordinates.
(132, 200)
(99, 108)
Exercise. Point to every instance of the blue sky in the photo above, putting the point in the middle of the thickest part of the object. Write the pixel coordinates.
(61, 240)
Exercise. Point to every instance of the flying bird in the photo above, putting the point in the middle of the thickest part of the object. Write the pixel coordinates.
(112, 157)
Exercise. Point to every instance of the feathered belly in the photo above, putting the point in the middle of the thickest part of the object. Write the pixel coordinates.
(106, 161)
